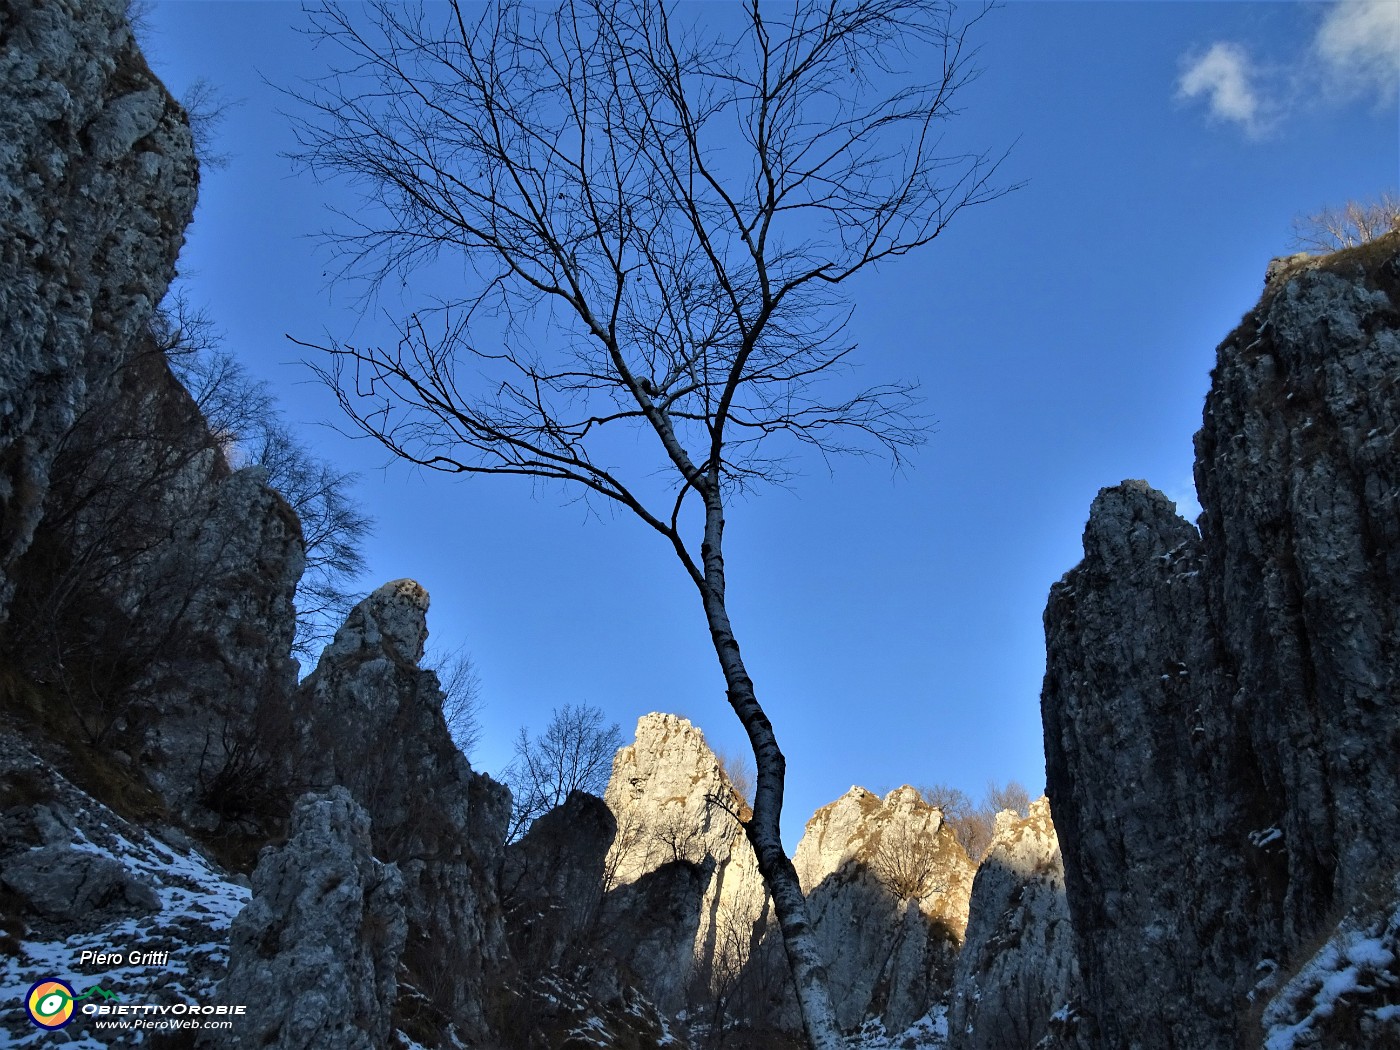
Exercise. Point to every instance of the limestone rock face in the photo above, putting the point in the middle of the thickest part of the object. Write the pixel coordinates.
(645, 933)
(552, 882)
(673, 802)
(370, 719)
(72, 885)
(888, 887)
(314, 954)
(1017, 967)
(97, 184)
(1219, 708)
(158, 589)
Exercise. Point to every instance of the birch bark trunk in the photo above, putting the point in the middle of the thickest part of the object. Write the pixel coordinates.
(763, 829)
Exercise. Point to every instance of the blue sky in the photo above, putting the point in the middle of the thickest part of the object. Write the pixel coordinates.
(1063, 337)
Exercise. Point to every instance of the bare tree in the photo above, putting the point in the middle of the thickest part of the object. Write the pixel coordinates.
(974, 825)
(461, 691)
(655, 218)
(968, 823)
(1355, 222)
(907, 863)
(739, 771)
(245, 421)
(574, 753)
(1012, 795)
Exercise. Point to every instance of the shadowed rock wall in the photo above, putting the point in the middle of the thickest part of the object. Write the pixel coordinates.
(1221, 709)
(97, 184)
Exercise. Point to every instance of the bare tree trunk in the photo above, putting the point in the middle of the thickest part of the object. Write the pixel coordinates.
(763, 828)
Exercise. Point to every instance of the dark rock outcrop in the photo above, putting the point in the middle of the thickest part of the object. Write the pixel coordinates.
(370, 719)
(1016, 969)
(97, 184)
(645, 935)
(148, 587)
(158, 595)
(552, 882)
(70, 885)
(1220, 708)
(314, 955)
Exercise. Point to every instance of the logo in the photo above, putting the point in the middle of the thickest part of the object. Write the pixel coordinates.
(50, 1002)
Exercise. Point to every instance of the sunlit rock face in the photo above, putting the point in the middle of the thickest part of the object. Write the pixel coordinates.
(97, 184)
(1219, 707)
(674, 805)
(887, 887)
(1016, 969)
(370, 719)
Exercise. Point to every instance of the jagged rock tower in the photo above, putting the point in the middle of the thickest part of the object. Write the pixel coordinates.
(1222, 707)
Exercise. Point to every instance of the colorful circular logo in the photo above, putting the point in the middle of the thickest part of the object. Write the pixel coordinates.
(50, 1003)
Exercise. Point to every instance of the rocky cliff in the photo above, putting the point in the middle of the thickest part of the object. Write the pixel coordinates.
(888, 886)
(887, 882)
(97, 184)
(1017, 968)
(148, 587)
(673, 803)
(314, 956)
(370, 719)
(1220, 705)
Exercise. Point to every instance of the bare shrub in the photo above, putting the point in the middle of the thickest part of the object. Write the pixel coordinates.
(247, 427)
(974, 824)
(574, 753)
(462, 701)
(906, 862)
(738, 767)
(1356, 222)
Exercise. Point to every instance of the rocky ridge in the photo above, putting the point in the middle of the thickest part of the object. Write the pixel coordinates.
(369, 719)
(888, 887)
(1223, 702)
(674, 805)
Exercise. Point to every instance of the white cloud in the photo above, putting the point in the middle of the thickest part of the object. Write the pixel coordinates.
(1359, 43)
(1224, 75)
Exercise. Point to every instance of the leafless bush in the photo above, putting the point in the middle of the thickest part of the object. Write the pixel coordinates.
(906, 862)
(973, 825)
(679, 837)
(1012, 795)
(242, 415)
(461, 690)
(738, 767)
(1355, 222)
(574, 753)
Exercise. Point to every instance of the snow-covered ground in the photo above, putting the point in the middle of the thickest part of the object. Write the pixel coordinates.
(927, 1033)
(197, 903)
(1353, 980)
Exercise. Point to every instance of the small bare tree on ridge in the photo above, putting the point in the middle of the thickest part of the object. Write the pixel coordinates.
(1355, 222)
(654, 215)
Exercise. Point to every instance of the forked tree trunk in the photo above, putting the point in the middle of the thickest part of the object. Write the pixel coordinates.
(763, 829)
